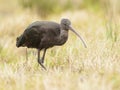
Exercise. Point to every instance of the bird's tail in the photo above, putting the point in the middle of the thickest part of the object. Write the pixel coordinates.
(20, 41)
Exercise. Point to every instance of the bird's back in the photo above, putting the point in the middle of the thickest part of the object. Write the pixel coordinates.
(44, 26)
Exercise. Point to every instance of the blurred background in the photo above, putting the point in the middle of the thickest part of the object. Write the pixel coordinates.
(94, 68)
(45, 8)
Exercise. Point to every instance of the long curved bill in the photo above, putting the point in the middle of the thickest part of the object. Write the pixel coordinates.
(78, 36)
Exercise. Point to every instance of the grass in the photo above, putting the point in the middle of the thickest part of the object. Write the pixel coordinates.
(71, 66)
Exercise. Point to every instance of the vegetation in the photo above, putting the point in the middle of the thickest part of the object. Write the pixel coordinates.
(71, 66)
(46, 8)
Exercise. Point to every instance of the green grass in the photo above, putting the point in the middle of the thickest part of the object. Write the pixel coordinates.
(69, 67)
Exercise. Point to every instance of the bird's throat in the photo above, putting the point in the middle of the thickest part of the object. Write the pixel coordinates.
(62, 37)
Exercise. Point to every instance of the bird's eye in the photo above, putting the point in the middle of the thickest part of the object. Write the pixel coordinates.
(65, 24)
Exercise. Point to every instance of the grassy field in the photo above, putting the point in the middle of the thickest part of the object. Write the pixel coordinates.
(69, 67)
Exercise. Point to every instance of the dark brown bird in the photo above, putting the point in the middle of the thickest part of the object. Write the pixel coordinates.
(45, 34)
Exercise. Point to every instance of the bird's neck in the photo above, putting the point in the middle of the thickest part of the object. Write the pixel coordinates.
(62, 37)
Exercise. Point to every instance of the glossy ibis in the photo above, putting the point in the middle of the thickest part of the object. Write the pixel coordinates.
(45, 34)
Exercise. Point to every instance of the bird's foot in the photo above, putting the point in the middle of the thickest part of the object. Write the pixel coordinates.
(41, 63)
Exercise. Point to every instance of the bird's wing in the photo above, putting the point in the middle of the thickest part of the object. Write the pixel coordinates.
(51, 28)
(40, 27)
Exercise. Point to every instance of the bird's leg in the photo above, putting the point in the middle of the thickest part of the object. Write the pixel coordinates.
(39, 56)
(43, 55)
(39, 61)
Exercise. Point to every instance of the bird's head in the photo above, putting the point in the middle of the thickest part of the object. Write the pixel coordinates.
(66, 25)
(20, 41)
